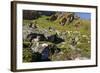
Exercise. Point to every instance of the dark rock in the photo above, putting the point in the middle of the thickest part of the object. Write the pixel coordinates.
(55, 39)
(36, 57)
(45, 53)
(34, 35)
(53, 18)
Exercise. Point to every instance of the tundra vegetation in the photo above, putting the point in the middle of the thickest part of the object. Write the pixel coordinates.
(55, 36)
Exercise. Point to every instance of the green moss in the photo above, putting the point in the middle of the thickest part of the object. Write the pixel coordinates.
(27, 55)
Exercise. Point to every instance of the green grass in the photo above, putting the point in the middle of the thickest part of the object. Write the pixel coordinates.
(43, 23)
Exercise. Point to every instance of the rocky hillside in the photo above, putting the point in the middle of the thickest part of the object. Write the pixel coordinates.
(62, 17)
(55, 36)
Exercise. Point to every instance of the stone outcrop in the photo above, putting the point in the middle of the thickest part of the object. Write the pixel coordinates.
(63, 17)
